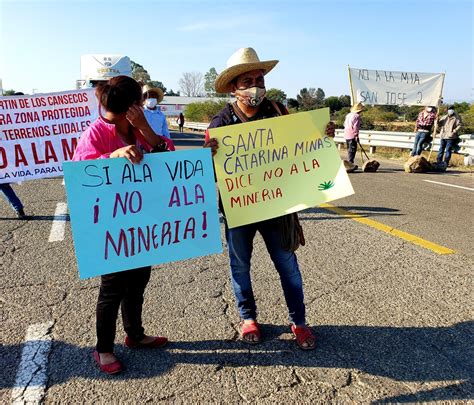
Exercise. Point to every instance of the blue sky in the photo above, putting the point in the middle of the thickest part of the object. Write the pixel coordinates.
(41, 41)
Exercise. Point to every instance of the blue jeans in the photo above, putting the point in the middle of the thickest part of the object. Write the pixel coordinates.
(351, 149)
(240, 245)
(10, 196)
(448, 145)
(418, 145)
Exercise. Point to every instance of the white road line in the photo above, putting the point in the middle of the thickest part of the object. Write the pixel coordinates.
(31, 378)
(450, 185)
(59, 223)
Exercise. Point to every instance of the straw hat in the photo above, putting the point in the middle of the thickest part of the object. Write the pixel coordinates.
(357, 108)
(242, 61)
(156, 90)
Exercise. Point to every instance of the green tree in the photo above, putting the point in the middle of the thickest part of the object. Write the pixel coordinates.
(411, 112)
(209, 80)
(334, 103)
(345, 101)
(276, 95)
(311, 98)
(467, 118)
(170, 92)
(461, 108)
(157, 84)
(139, 73)
(293, 103)
(307, 99)
(9, 92)
(203, 111)
(320, 98)
(209, 84)
(340, 116)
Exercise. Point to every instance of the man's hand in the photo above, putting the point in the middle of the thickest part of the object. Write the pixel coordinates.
(131, 152)
(136, 117)
(213, 144)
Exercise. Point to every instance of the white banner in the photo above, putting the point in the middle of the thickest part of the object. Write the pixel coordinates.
(39, 132)
(386, 87)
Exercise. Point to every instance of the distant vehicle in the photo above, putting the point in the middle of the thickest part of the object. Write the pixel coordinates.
(100, 68)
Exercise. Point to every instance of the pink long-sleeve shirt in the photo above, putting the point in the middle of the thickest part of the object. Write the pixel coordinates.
(100, 140)
(351, 125)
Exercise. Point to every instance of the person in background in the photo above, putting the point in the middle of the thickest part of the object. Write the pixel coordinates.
(331, 129)
(9, 194)
(180, 121)
(122, 131)
(352, 124)
(423, 127)
(244, 76)
(450, 125)
(152, 96)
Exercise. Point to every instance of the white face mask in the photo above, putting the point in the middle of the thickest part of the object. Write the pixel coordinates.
(429, 109)
(151, 102)
(450, 112)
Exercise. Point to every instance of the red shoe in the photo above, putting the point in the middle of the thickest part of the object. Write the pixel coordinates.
(304, 337)
(112, 368)
(158, 341)
(247, 329)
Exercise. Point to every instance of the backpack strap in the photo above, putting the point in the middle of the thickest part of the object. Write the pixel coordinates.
(275, 106)
(238, 112)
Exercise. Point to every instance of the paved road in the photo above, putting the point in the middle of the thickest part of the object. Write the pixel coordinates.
(393, 319)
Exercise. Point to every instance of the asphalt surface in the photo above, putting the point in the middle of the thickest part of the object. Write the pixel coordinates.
(393, 320)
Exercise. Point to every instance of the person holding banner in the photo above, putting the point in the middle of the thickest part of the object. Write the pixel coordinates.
(352, 125)
(122, 131)
(423, 127)
(450, 125)
(244, 76)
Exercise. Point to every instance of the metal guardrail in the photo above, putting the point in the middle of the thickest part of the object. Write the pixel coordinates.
(403, 140)
(200, 126)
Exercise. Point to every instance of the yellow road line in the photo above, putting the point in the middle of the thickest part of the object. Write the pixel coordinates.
(441, 250)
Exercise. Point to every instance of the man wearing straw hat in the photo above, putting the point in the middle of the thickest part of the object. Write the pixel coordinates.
(245, 78)
(351, 131)
(152, 96)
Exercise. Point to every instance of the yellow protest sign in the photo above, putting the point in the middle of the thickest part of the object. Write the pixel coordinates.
(277, 166)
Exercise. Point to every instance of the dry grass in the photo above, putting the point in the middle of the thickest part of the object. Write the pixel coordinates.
(457, 161)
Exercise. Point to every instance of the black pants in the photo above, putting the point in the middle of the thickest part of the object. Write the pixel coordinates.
(351, 149)
(124, 289)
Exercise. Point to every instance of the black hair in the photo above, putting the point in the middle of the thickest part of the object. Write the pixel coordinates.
(119, 94)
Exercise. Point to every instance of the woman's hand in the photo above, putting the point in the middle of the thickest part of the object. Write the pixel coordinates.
(211, 143)
(130, 152)
(136, 117)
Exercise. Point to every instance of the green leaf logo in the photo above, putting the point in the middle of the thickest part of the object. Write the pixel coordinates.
(326, 185)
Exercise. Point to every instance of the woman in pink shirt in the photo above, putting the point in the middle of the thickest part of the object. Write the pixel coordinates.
(120, 131)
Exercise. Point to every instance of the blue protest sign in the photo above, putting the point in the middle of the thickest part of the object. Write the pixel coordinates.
(126, 216)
